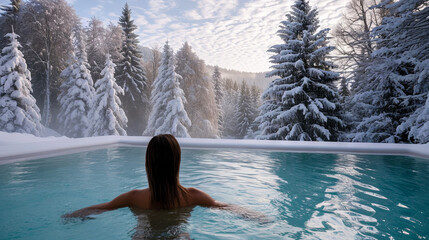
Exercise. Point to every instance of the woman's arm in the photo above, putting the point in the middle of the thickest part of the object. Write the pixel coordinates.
(203, 199)
(123, 200)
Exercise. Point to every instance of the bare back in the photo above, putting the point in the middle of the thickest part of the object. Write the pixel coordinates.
(141, 199)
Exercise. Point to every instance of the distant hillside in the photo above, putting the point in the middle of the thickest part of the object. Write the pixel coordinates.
(258, 79)
(251, 78)
(146, 53)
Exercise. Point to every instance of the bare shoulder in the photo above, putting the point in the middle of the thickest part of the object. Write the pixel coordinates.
(136, 192)
(193, 190)
(140, 198)
(198, 197)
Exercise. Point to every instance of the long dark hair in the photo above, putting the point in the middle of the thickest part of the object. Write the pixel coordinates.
(162, 169)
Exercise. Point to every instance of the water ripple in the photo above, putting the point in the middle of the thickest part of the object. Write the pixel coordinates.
(308, 196)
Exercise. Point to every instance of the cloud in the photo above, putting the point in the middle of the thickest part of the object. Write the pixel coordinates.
(225, 33)
(140, 20)
(161, 5)
(210, 9)
(158, 27)
(112, 14)
(177, 26)
(329, 11)
(96, 10)
(192, 15)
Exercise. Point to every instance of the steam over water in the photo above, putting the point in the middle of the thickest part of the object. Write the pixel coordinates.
(306, 196)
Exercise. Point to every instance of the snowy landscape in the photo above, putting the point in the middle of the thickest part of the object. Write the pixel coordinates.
(364, 79)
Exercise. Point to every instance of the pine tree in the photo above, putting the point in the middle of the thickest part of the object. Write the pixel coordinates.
(217, 82)
(229, 108)
(77, 92)
(245, 111)
(168, 113)
(255, 94)
(417, 125)
(397, 75)
(381, 110)
(302, 103)
(199, 93)
(131, 77)
(18, 109)
(107, 116)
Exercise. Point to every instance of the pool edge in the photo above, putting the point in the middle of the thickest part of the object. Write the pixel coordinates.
(17, 152)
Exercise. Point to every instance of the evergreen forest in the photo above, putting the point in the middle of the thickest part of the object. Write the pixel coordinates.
(364, 80)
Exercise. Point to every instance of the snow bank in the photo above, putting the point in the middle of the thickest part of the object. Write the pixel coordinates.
(22, 138)
(16, 147)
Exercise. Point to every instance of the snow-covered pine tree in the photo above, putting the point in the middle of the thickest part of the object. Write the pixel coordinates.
(218, 89)
(229, 108)
(77, 92)
(397, 75)
(409, 33)
(131, 77)
(107, 116)
(245, 111)
(417, 125)
(199, 93)
(168, 113)
(380, 107)
(302, 103)
(255, 95)
(18, 109)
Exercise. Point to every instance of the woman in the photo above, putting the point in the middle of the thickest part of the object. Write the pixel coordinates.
(164, 192)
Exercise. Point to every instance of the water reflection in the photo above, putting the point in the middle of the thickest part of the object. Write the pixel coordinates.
(342, 214)
(403, 181)
(236, 177)
(162, 224)
(309, 196)
(302, 187)
(244, 178)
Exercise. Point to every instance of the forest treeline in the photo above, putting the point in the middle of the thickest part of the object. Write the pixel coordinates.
(372, 86)
(92, 80)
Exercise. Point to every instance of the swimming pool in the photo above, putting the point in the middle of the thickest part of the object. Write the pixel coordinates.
(306, 195)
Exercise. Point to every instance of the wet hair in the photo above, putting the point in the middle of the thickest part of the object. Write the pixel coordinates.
(163, 156)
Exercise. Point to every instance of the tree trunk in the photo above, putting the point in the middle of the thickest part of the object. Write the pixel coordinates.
(47, 102)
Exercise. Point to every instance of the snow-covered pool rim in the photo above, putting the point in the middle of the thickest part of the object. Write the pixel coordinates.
(16, 152)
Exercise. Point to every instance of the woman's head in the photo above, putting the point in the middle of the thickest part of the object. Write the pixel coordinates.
(162, 169)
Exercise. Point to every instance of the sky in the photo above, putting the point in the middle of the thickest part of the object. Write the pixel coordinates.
(233, 34)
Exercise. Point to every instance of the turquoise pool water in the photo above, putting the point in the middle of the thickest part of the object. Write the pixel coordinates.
(307, 196)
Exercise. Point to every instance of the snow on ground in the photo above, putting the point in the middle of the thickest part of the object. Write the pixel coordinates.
(15, 147)
(19, 138)
(47, 132)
